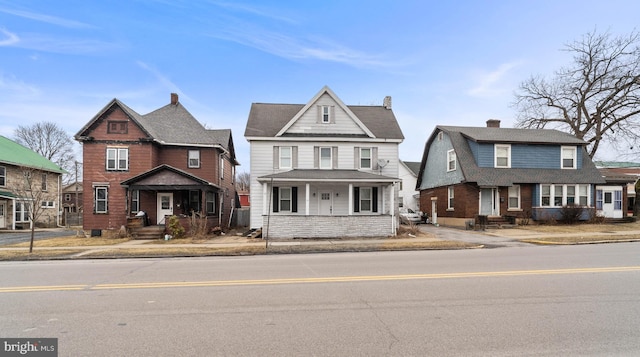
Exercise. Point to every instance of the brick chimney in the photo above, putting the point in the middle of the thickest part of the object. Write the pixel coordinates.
(386, 103)
(493, 123)
(174, 98)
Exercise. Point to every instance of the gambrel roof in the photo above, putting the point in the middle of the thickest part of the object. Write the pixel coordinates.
(273, 120)
(489, 176)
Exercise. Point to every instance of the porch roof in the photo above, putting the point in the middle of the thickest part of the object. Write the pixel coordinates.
(318, 175)
(168, 178)
(7, 194)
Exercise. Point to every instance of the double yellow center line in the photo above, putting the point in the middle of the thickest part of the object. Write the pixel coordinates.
(339, 279)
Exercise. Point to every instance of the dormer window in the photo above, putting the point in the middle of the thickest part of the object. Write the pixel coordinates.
(569, 155)
(502, 156)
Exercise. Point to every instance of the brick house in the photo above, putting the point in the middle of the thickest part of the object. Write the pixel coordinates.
(324, 169)
(162, 163)
(468, 172)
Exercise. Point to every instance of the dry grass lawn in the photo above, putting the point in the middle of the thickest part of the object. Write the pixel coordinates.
(70, 241)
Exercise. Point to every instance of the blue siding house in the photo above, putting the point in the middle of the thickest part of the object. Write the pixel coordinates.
(467, 172)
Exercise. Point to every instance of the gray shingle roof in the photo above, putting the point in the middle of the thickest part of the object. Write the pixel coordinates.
(308, 175)
(171, 124)
(414, 166)
(266, 120)
(513, 135)
(486, 176)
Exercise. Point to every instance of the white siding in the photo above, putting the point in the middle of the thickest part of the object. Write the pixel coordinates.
(261, 156)
(408, 191)
(342, 123)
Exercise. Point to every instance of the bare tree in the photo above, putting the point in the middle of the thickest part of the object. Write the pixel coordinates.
(243, 181)
(597, 98)
(33, 196)
(50, 141)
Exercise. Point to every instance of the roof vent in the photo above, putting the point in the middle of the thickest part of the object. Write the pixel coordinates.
(174, 98)
(387, 102)
(493, 123)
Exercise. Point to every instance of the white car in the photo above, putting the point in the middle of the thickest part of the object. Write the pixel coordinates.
(409, 216)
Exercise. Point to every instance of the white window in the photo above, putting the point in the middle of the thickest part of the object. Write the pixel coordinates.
(117, 159)
(67, 197)
(502, 156)
(562, 195)
(325, 158)
(135, 201)
(365, 199)
(326, 114)
(47, 204)
(583, 194)
(194, 158)
(450, 198)
(22, 211)
(514, 197)
(569, 155)
(365, 158)
(3, 176)
(285, 157)
(222, 167)
(451, 160)
(101, 196)
(285, 199)
(440, 136)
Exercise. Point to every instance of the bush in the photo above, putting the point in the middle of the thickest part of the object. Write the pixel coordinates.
(570, 214)
(175, 228)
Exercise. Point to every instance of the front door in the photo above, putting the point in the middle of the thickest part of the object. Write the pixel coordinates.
(3, 209)
(165, 206)
(326, 204)
(489, 202)
(609, 202)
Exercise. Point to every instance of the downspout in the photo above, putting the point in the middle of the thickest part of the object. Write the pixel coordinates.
(59, 206)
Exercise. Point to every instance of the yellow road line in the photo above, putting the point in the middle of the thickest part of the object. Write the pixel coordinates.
(338, 279)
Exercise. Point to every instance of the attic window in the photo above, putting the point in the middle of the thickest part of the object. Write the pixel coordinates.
(117, 127)
(326, 118)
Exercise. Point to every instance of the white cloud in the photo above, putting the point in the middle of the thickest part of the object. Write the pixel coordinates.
(9, 38)
(488, 83)
(45, 18)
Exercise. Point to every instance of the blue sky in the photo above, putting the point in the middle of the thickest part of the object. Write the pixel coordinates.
(443, 62)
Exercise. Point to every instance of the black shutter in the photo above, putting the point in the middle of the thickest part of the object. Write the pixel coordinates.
(275, 199)
(356, 199)
(374, 199)
(294, 199)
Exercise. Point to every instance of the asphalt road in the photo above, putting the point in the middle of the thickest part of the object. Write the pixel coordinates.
(543, 301)
(19, 236)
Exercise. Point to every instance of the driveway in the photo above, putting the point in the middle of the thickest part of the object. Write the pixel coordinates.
(477, 237)
(19, 236)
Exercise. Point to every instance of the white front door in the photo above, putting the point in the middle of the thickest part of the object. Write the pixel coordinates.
(609, 201)
(489, 202)
(165, 206)
(3, 209)
(326, 204)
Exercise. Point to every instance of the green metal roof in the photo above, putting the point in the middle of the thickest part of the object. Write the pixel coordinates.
(12, 153)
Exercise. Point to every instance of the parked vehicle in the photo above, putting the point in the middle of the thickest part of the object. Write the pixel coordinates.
(409, 216)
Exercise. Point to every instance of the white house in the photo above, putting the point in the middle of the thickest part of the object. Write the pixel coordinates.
(324, 169)
(409, 197)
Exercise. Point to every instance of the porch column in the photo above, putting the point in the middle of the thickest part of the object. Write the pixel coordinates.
(306, 197)
(350, 199)
(265, 191)
(392, 208)
(384, 199)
